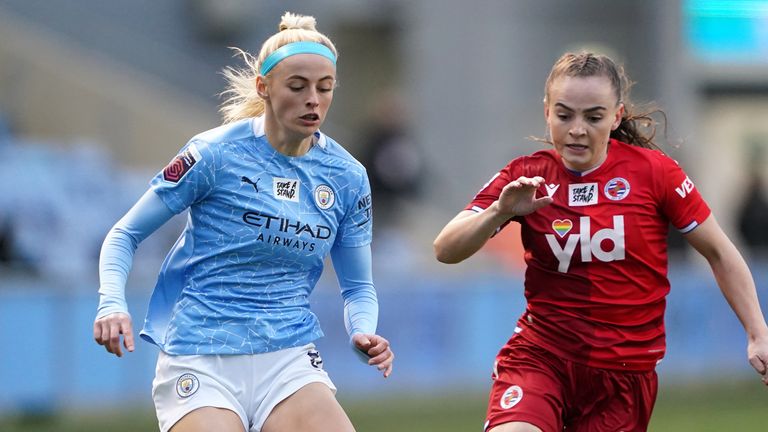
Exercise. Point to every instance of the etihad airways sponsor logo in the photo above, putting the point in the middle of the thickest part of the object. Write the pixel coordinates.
(286, 225)
(274, 226)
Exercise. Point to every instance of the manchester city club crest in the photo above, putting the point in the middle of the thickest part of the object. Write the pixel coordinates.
(324, 197)
(187, 385)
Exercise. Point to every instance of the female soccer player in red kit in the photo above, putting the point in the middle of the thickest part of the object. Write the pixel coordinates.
(595, 212)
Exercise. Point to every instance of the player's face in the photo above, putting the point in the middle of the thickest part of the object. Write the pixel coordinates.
(581, 112)
(299, 93)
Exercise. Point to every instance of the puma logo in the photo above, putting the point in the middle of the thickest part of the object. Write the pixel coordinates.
(245, 179)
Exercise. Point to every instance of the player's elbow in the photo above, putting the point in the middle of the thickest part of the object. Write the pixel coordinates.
(445, 254)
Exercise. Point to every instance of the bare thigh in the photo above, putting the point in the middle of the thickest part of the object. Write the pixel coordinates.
(313, 408)
(209, 419)
(515, 427)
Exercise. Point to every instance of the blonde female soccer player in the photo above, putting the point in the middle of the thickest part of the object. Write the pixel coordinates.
(269, 197)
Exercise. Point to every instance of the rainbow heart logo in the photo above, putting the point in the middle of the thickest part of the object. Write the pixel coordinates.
(562, 227)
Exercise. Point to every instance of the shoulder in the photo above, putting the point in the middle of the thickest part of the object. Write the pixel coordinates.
(534, 162)
(542, 157)
(335, 154)
(655, 158)
(229, 132)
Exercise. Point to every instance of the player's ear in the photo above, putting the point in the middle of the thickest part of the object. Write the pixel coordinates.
(619, 115)
(261, 87)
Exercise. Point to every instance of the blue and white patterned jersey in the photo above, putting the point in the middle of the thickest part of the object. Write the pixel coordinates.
(260, 224)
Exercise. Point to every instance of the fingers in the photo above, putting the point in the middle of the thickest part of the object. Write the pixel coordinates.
(761, 366)
(379, 351)
(361, 342)
(128, 338)
(760, 363)
(542, 202)
(522, 181)
(107, 331)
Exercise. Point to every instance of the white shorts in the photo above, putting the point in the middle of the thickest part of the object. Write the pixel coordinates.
(249, 385)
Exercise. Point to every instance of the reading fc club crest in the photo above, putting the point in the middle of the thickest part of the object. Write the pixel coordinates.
(511, 397)
(324, 197)
(187, 385)
(616, 189)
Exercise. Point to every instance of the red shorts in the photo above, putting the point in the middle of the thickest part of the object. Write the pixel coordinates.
(534, 386)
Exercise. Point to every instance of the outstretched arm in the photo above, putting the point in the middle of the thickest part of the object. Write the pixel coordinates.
(469, 230)
(735, 281)
(361, 306)
(115, 261)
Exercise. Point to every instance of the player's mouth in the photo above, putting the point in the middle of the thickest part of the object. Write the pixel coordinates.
(577, 147)
(310, 119)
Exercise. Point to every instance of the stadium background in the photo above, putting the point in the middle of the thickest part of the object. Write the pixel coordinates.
(95, 97)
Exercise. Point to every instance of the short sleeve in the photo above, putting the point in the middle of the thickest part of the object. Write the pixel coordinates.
(356, 227)
(681, 201)
(188, 178)
(492, 189)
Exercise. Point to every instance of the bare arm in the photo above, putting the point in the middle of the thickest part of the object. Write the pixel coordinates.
(735, 281)
(466, 233)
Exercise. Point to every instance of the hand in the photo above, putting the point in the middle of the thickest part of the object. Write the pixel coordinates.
(107, 331)
(377, 349)
(758, 358)
(518, 197)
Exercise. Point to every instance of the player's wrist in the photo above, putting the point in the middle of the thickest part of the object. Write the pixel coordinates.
(359, 352)
(497, 215)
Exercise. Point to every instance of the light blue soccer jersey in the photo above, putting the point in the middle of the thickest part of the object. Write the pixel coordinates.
(260, 224)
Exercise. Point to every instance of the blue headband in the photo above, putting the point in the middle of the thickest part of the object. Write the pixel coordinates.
(296, 48)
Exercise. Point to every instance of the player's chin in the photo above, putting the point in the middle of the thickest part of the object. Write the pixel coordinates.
(309, 126)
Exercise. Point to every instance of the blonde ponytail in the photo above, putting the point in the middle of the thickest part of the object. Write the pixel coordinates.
(241, 99)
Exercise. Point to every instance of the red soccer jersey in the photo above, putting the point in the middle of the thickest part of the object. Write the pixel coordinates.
(596, 276)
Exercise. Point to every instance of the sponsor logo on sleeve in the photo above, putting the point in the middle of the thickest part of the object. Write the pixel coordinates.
(181, 164)
(582, 194)
(685, 188)
(286, 189)
(364, 206)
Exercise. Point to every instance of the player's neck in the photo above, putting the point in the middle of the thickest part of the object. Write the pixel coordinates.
(285, 142)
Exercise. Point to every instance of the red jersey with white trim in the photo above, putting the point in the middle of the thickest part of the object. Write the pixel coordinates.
(596, 276)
